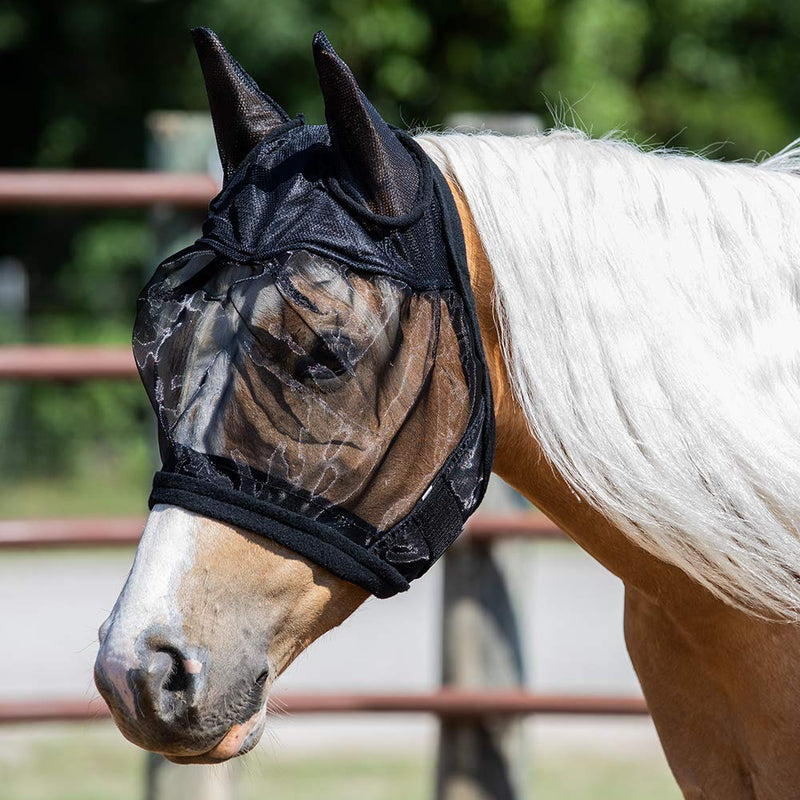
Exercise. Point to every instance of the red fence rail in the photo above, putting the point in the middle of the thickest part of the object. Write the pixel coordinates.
(89, 532)
(444, 703)
(125, 531)
(70, 364)
(103, 189)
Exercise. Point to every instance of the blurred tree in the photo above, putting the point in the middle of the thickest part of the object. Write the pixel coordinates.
(79, 77)
(85, 72)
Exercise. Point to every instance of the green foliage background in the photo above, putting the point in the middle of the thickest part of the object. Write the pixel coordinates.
(80, 76)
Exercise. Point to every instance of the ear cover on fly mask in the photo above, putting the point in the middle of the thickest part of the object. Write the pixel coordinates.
(314, 359)
(242, 114)
(363, 144)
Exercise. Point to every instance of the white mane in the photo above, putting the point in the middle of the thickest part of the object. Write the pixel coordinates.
(649, 305)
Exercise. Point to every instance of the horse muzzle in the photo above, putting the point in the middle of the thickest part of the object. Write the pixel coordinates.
(159, 691)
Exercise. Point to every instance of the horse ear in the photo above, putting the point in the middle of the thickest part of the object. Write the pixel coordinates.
(242, 114)
(365, 146)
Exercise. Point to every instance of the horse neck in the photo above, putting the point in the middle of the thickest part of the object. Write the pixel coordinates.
(520, 462)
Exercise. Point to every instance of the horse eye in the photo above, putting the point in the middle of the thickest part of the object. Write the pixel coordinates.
(324, 363)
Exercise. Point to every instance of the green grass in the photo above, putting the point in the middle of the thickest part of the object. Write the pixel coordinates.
(93, 763)
(71, 764)
(101, 491)
(368, 776)
(589, 777)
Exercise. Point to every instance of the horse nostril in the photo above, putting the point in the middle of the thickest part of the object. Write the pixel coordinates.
(171, 681)
(262, 678)
(178, 678)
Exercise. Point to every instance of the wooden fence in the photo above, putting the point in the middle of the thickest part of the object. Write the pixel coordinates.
(478, 612)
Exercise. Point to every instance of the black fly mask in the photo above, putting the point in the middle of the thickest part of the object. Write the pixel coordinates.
(314, 359)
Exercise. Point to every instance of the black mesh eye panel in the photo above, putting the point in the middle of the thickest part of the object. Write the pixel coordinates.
(305, 374)
(316, 367)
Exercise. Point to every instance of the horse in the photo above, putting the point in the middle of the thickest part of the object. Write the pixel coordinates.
(640, 320)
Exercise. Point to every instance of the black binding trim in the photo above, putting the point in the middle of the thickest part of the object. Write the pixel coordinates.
(319, 543)
(457, 249)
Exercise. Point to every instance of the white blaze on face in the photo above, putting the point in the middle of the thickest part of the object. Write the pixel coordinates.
(149, 598)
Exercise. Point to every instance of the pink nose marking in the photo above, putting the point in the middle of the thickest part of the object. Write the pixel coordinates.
(192, 666)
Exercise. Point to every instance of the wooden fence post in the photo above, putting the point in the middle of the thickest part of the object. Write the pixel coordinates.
(13, 300)
(482, 758)
(179, 141)
(167, 781)
(182, 142)
(13, 312)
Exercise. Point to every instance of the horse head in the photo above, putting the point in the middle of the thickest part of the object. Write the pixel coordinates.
(324, 413)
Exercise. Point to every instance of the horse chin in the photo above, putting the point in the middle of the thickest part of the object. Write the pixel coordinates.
(240, 739)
